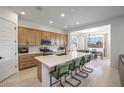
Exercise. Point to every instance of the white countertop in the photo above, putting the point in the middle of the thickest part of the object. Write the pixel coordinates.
(54, 60)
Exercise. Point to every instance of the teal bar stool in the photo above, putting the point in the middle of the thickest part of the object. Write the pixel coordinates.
(85, 60)
(75, 66)
(61, 70)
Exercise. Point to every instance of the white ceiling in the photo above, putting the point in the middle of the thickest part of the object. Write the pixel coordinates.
(83, 14)
(99, 30)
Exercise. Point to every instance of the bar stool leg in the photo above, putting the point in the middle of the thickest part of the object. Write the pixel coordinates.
(81, 75)
(61, 82)
(71, 83)
(89, 70)
(84, 73)
(51, 81)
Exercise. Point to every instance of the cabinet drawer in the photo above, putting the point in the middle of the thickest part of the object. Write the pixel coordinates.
(33, 63)
(39, 54)
(24, 65)
(24, 58)
(26, 61)
(31, 57)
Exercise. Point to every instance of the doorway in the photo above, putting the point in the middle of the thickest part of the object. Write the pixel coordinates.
(97, 38)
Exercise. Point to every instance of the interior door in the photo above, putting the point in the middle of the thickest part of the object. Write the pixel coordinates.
(7, 49)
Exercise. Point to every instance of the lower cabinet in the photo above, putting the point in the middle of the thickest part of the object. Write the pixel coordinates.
(39, 71)
(26, 61)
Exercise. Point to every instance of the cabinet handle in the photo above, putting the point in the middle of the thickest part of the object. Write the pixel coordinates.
(27, 42)
(1, 58)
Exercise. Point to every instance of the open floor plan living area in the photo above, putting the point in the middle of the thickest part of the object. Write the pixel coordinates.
(61, 46)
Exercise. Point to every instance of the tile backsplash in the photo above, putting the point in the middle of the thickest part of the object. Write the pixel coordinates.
(37, 48)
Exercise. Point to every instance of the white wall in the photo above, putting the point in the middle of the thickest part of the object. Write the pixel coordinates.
(117, 37)
(108, 46)
(26, 23)
(117, 40)
(10, 16)
(7, 14)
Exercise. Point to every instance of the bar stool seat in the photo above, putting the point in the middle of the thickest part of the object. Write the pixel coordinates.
(62, 70)
(76, 66)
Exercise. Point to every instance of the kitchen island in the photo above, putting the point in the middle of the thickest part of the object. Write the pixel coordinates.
(51, 61)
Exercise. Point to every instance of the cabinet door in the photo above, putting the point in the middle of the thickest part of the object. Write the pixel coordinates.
(48, 35)
(22, 36)
(53, 38)
(66, 40)
(38, 37)
(62, 39)
(44, 35)
(31, 37)
(58, 39)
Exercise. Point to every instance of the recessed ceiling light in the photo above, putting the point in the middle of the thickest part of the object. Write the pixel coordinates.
(65, 26)
(77, 23)
(51, 22)
(23, 13)
(62, 14)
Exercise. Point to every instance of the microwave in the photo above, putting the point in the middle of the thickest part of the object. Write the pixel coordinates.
(45, 42)
(23, 50)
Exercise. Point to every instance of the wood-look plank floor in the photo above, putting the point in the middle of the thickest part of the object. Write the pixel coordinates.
(103, 76)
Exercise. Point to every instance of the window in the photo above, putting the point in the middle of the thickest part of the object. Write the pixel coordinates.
(74, 42)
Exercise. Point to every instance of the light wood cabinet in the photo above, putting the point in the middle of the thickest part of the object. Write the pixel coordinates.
(46, 35)
(26, 61)
(58, 39)
(65, 39)
(27, 36)
(53, 38)
(31, 37)
(62, 39)
(38, 37)
(39, 71)
(22, 36)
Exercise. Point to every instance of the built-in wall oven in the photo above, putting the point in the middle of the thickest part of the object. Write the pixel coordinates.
(23, 50)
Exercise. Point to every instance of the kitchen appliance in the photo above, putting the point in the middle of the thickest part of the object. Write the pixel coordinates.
(63, 51)
(23, 50)
(46, 51)
(45, 42)
(61, 48)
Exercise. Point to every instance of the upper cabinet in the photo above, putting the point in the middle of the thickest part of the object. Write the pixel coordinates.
(65, 39)
(53, 38)
(31, 37)
(27, 36)
(46, 35)
(38, 37)
(58, 39)
(22, 36)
